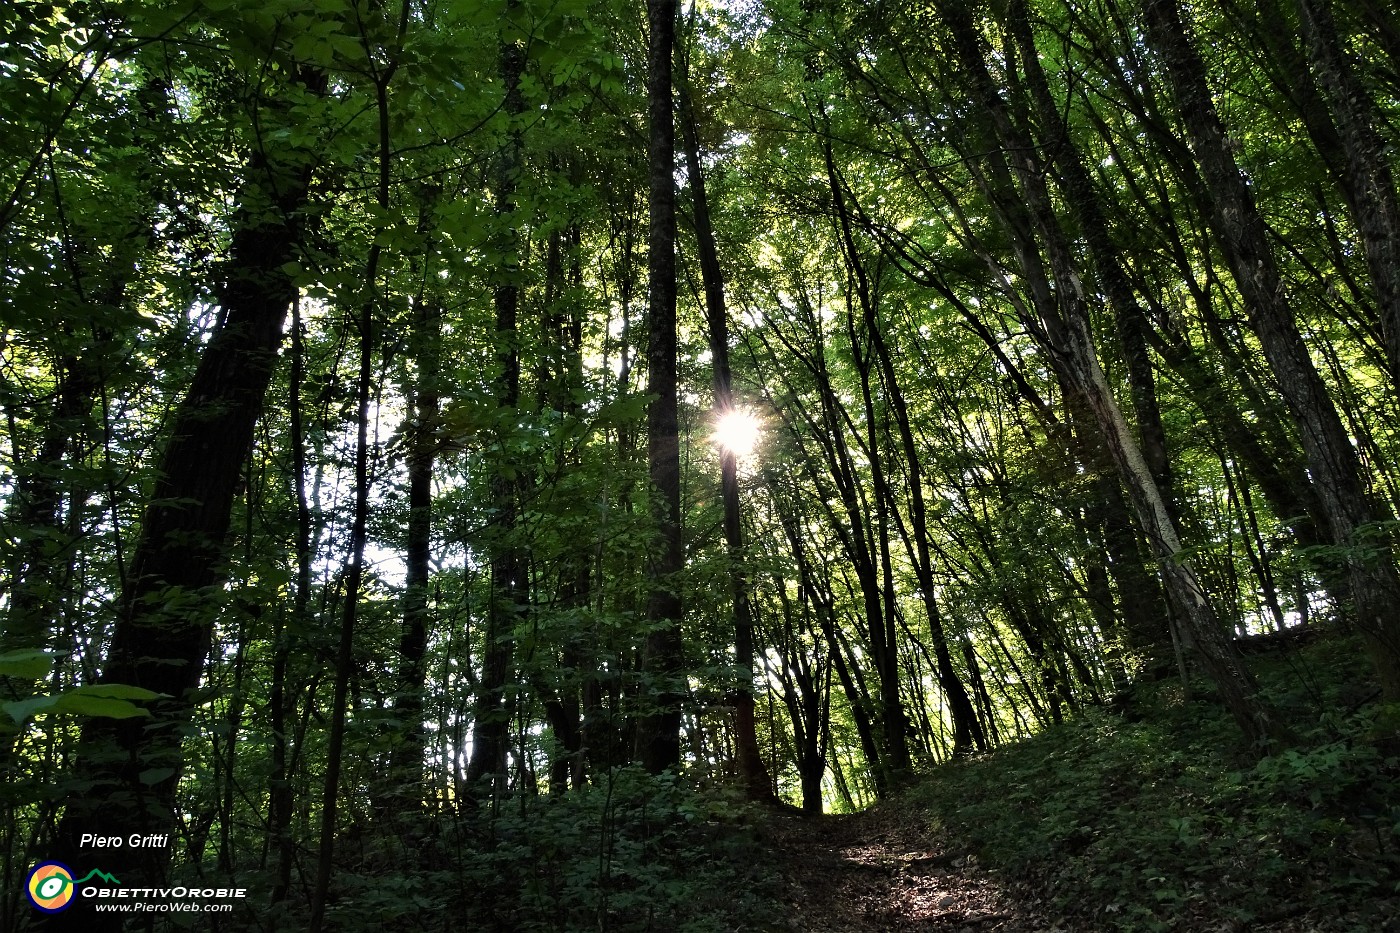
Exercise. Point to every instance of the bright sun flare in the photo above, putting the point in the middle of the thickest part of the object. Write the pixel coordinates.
(737, 431)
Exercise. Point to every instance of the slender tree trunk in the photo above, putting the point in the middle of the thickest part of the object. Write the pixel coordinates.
(884, 634)
(45, 496)
(753, 773)
(602, 732)
(1274, 462)
(37, 512)
(866, 539)
(857, 698)
(280, 805)
(806, 677)
(1062, 327)
(967, 731)
(560, 385)
(1374, 206)
(370, 310)
(1351, 513)
(226, 758)
(509, 586)
(407, 758)
(858, 541)
(1082, 198)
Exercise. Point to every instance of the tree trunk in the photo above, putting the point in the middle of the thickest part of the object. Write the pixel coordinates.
(819, 591)
(163, 630)
(407, 757)
(509, 593)
(1351, 513)
(369, 317)
(1061, 325)
(1374, 205)
(1083, 200)
(967, 731)
(280, 803)
(753, 773)
(658, 737)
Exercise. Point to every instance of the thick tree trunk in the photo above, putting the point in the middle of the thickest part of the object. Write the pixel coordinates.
(162, 634)
(659, 729)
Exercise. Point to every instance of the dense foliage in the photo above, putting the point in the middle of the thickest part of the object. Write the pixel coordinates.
(361, 363)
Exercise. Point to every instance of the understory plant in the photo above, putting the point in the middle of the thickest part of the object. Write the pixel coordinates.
(1156, 822)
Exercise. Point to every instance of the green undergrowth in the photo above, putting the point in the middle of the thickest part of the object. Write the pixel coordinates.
(1157, 821)
(637, 854)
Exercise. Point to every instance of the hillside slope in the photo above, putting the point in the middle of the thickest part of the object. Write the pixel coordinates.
(1153, 821)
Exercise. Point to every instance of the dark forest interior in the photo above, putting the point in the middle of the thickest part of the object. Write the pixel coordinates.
(554, 465)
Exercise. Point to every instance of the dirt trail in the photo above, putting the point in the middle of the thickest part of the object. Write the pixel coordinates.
(873, 871)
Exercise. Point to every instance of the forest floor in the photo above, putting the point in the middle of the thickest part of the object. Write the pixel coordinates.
(883, 870)
(878, 870)
(1148, 821)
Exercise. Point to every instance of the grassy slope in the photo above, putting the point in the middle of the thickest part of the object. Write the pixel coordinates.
(1157, 822)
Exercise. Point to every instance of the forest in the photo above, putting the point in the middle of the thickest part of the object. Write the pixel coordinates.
(499, 464)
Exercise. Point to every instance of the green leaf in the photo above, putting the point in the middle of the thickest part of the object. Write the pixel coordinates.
(156, 775)
(115, 691)
(22, 710)
(110, 700)
(28, 663)
(98, 706)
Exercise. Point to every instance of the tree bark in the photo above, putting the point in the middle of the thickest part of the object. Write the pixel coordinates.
(1352, 514)
(407, 758)
(162, 635)
(967, 730)
(370, 311)
(753, 773)
(280, 802)
(1082, 198)
(1061, 326)
(658, 737)
(509, 586)
(1374, 204)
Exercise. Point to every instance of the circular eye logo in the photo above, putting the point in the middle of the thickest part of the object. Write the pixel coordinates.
(50, 887)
